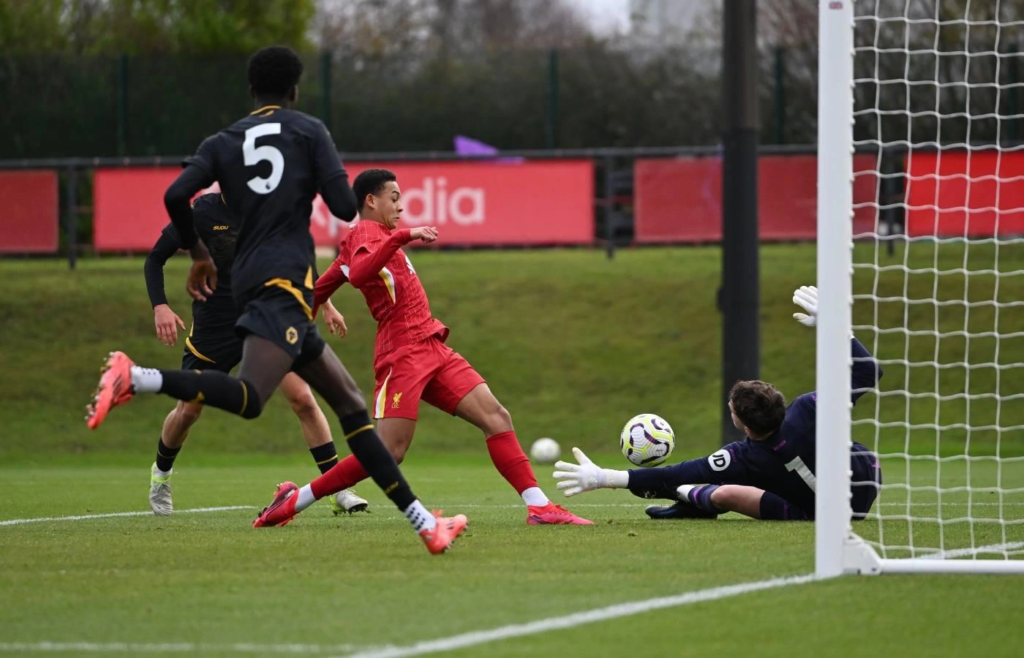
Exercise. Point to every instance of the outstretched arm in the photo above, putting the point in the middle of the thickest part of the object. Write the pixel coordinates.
(722, 466)
(367, 264)
(866, 372)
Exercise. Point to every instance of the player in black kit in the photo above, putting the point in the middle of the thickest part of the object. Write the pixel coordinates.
(211, 343)
(769, 475)
(270, 166)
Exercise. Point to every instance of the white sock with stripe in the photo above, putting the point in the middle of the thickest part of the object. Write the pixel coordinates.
(420, 518)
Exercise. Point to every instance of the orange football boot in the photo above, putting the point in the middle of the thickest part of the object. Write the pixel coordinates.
(552, 514)
(281, 510)
(114, 389)
(441, 538)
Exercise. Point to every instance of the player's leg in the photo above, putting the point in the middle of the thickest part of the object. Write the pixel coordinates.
(206, 348)
(244, 395)
(459, 390)
(328, 377)
(172, 437)
(400, 378)
(710, 500)
(317, 434)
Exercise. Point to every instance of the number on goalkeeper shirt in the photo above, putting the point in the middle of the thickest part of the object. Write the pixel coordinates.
(796, 464)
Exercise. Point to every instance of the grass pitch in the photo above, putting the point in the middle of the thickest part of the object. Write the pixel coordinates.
(573, 344)
(340, 586)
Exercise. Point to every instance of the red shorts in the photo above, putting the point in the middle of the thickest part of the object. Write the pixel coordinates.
(427, 370)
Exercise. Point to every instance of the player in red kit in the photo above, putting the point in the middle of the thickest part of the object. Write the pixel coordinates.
(411, 360)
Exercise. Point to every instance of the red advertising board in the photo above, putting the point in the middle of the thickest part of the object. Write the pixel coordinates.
(680, 199)
(978, 194)
(546, 202)
(31, 209)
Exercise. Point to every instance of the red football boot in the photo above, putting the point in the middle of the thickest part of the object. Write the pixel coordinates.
(441, 538)
(114, 389)
(281, 510)
(552, 514)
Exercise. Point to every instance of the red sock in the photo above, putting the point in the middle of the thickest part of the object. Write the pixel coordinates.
(511, 461)
(342, 475)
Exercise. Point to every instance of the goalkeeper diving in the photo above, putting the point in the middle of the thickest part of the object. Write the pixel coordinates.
(768, 475)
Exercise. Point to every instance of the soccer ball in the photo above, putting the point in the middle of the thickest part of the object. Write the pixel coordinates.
(647, 440)
(545, 451)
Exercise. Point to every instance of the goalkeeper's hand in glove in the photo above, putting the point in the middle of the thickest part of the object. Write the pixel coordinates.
(587, 476)
(806, 297)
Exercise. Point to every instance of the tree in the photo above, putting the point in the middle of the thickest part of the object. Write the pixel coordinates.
(114, 27)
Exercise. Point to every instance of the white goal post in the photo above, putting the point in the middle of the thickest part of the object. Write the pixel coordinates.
(921, 256)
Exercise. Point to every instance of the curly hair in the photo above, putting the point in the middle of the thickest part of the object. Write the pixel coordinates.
(274, 71)
(759, 405)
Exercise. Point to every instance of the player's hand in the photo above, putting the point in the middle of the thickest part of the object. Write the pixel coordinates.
(167, 323)
(202, 279)
(806, 297)
(425, 233)
(577, 478)
(335, 321)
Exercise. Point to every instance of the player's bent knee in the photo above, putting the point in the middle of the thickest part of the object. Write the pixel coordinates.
(189, 412)
(398, 452)
(252, 403)
(304, 405)
(725, 497)
(503, 417)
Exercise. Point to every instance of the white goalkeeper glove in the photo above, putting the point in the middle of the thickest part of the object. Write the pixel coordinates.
(806, 297)
(587, 476)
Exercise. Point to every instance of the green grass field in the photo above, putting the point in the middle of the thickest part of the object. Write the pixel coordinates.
(573, 345)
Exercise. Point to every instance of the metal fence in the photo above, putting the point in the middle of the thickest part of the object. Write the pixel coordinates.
(66, 106)
(613, 203)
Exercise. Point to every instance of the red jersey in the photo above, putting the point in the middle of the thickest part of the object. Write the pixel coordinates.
(372, 260)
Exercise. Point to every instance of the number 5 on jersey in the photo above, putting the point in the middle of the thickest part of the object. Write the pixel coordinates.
(254, 155)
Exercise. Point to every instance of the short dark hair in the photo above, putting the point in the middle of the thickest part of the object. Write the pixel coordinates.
(274, 71)
(759, 405)
(371, 181)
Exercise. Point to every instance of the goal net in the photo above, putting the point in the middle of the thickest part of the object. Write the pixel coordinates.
(921, 108)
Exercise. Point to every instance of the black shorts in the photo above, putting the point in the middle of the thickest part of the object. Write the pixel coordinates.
(281, 312)
(777, 508)
(211, 349)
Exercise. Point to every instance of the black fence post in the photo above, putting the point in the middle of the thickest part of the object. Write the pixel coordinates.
(780, 95)
(740, 297)
(610, 216)
(71, 198)
(551, 119)
(122, 105)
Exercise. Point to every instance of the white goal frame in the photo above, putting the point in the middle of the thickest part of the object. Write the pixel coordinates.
(837, 549)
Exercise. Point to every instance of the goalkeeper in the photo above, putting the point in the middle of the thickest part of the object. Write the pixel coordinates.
(769, 475)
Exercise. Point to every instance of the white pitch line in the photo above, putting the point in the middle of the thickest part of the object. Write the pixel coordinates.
(169, 647)
(967, 552)
(112, 515)
(474, 638)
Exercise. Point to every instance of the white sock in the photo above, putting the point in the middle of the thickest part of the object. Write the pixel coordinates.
(534, 497)
(419, 517)
(305, 498)
(161, 474)
(146, 380)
